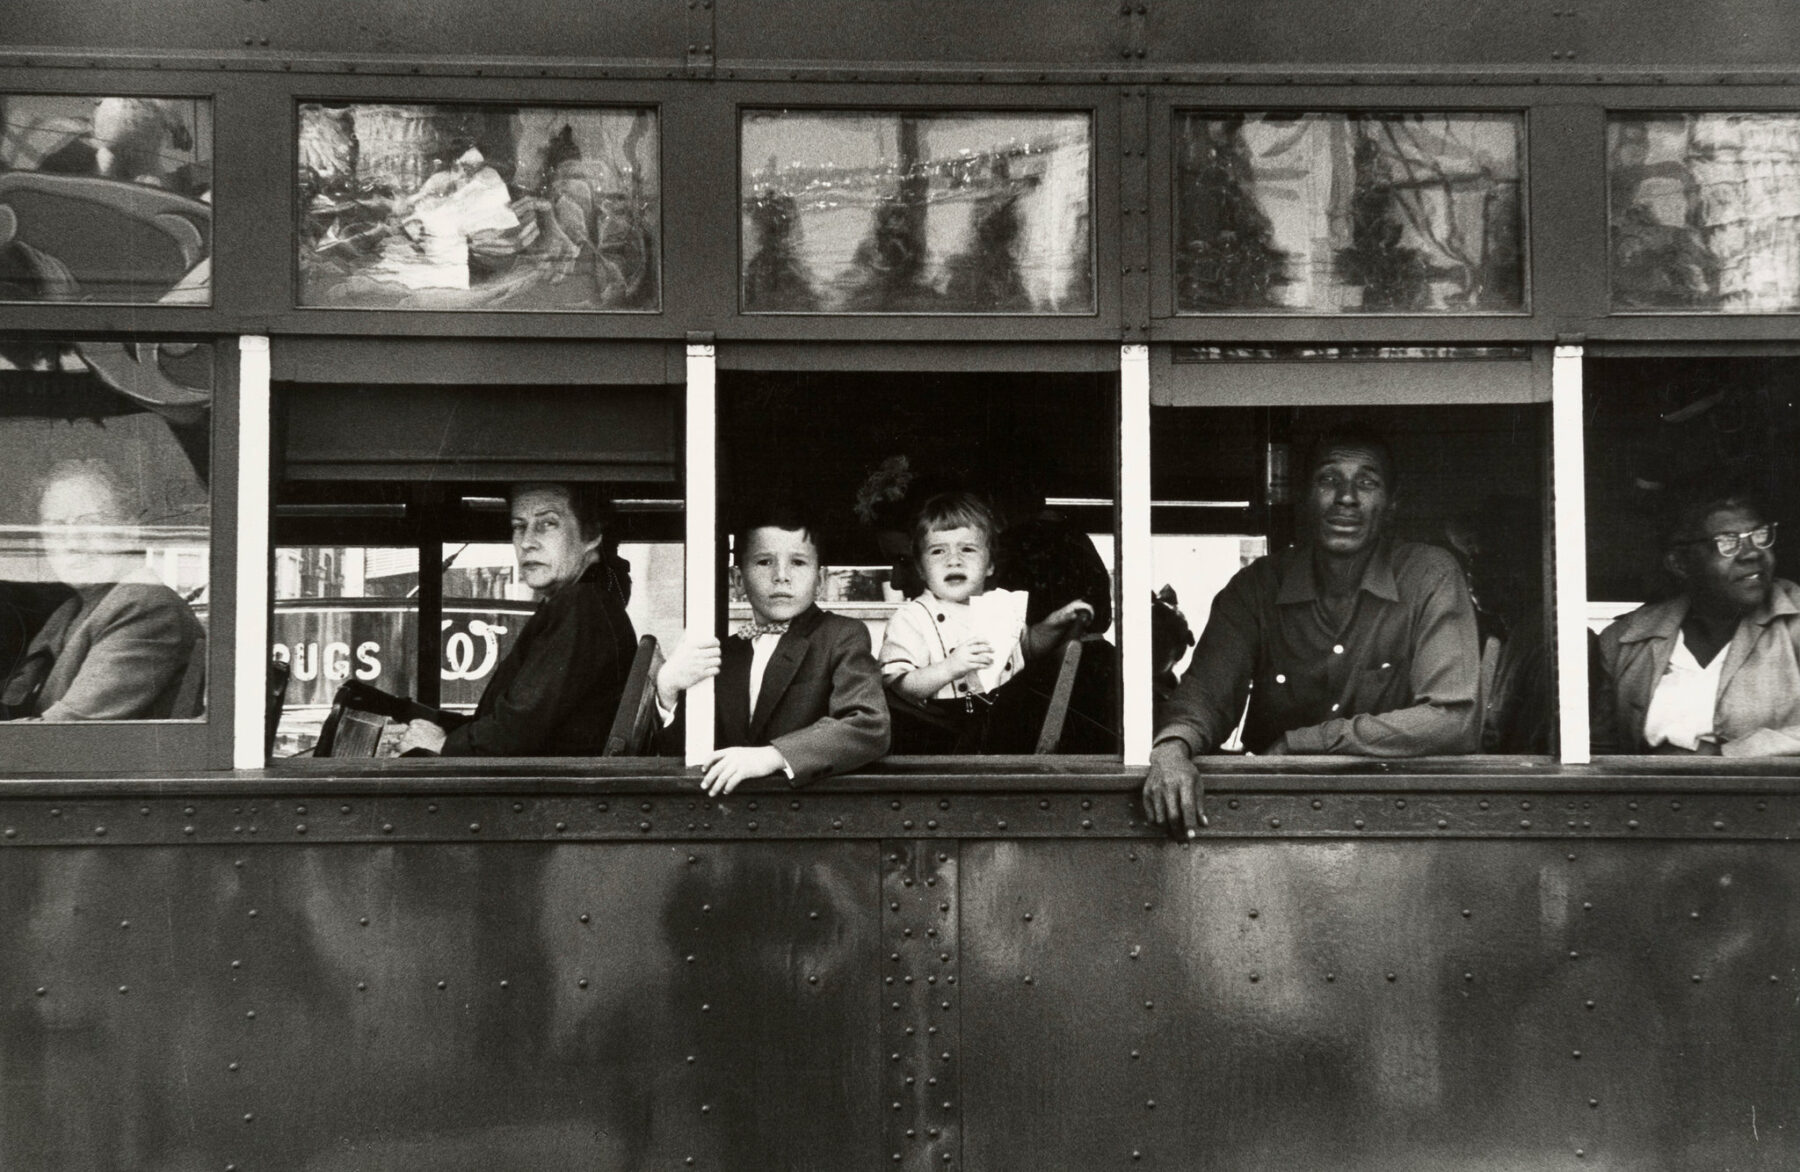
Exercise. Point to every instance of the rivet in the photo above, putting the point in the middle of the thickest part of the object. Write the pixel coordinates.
(443, 985)
(343, 809)
(1392, 977)
(231, 1066)
(1150, 1104)
(1330, 977)
(837, 823)
(1255, 977)
(1696, 978)
(1001, 824)
(705, 1108)
(1233, 803)
(249, 1117)
(1399, 803)
(1275, 823)
(931, 824)
(1524, 824)
(1484, 803)
(1358, 824)
(1674, 805)
(237, 964)
(361, 986)
(1148, 905)
(601, 806)
(1028, 917)
(124, 923)
(41, 990)
(1593, 1102)
(1718, 826)
(184, 830)
(1631, 825)
(11, 833)
(1468, 976)
(1467, 913)
(645, 826)
(124, 988)
(518, 807)
(562, 825)
(906, 825)
(1631, 805)
(431, 809)
(1043, 805)
(1574, 955)
(253, 913)
(100, 830)
(55, 812)
(1149, 1005)
(144, 810)
(250, 1014)
(300, 828)
(1587, 1004)
(388, 828)
(1317, 804)
(1524, 805)
(1575, 1054)
(1134, 1054)
(894, 806)
(1443, 824)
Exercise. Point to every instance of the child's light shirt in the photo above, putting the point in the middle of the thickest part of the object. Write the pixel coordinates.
(926, 629)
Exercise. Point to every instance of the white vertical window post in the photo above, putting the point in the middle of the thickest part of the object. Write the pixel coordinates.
(1135, 570)
(702, 509)
(252, 672)
(1569, 488)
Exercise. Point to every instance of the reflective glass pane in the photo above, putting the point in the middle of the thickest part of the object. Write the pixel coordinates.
(865, 212)
(479, 207)
(105, 199)
(1349, 213)
(104, 529)
(1705, 212)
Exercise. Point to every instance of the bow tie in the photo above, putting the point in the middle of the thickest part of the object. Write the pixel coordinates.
(751, 630)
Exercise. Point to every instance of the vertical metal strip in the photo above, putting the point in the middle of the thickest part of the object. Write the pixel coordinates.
(252, 629)
(1569, 489)
(700, 455)
(1135, 570)
(921, 1006)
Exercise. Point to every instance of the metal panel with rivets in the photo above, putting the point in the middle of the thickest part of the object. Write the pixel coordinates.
(1339, 974)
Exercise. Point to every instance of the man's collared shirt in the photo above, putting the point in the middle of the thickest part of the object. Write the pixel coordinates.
(1396, 677)
(1756, 712)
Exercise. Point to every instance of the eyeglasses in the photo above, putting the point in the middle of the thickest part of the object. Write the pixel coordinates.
(1728, 544)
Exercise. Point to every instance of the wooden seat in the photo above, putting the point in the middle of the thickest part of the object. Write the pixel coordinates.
(1057, 714)
(635, 724)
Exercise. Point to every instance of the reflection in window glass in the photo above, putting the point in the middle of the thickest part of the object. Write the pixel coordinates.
(863, 212)
(1238, 522)
(1705, 211)
(104, 530)
(1349, 213)
(479, 207)
(1698, 638)
(105, 199)
(864, 453)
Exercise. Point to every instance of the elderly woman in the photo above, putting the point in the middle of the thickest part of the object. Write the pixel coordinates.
(555, 693)
(125, 647)
(1716, 669)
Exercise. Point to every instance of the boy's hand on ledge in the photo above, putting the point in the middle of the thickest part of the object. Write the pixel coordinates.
(694, 658)
(727, 767)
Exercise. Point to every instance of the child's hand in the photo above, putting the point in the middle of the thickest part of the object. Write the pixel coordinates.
(694, 658)
(726, 767)
(1068, 616)
(971, 655)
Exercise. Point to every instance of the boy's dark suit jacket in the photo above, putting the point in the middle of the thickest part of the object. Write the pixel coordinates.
(822, 704)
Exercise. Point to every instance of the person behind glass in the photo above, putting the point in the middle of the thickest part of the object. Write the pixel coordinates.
(949, 651)
(1715, 669)
(125, 647)
(1348, 642)
(555, 693)
(798, 691)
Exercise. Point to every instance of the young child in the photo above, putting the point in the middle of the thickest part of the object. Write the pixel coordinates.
(798, 693)
(950, 650)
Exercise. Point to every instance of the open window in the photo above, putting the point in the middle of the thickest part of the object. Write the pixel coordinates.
(1690, 480)
(107, 588)
(394, 564)
(1232, 433)
(864, 451)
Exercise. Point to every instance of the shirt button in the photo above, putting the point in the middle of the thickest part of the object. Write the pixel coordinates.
(1334, 707)
(1338, 650)
(1280, 679)
(940, 618)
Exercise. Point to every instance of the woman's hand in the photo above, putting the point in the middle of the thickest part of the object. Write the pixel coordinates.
(696, 657)
(421, 734)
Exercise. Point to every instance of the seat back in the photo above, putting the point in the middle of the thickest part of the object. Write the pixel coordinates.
(273, 701)
(634, 725)
(1050, 735)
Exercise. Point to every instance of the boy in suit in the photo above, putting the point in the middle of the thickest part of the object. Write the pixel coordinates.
(799, 692)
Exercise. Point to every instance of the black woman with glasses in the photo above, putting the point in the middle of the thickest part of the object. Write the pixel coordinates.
(1716, 668)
